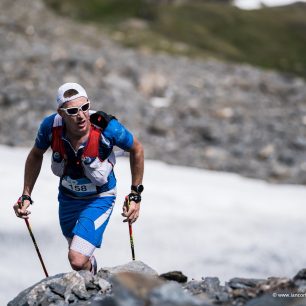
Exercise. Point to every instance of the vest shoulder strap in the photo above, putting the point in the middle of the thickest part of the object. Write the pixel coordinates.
(101, 119)
(92, 147)
(57, 143)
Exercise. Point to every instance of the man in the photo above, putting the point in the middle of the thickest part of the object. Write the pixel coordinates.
(82, 143)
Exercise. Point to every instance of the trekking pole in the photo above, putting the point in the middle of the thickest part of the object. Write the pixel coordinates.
(36, 247)
(32, 236)
(127, 201)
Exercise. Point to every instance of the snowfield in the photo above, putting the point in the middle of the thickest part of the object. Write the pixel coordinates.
(255, 4)
(200, 222)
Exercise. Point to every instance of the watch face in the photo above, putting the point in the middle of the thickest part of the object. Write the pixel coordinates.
(138, 188)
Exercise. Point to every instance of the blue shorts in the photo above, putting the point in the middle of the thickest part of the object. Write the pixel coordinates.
(86, 218)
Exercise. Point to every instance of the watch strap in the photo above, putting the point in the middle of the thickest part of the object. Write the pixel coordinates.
(137, 188)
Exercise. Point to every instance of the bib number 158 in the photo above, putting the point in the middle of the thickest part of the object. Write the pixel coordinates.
(78, 187)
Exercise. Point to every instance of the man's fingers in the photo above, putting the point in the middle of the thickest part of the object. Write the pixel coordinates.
(22, 214)
(129, 216)
(24, 217)
(25, 204)
(21, 209)
(133, 217)
(134, 220)
(127, 213)
(130, 212)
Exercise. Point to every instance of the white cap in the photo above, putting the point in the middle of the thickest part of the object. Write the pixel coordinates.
(60, 99)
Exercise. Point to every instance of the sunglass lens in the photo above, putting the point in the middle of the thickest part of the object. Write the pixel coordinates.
(72, 110)
(85, 107)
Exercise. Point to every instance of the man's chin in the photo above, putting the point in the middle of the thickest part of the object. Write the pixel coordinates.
(82, 128)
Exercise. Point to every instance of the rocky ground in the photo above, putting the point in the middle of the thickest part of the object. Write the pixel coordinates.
(204, 114)
(138, 284)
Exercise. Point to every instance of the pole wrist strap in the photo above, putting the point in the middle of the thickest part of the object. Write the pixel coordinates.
(135, 197)
(25, 197)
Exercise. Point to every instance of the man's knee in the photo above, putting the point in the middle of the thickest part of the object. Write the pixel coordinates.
(78, 261)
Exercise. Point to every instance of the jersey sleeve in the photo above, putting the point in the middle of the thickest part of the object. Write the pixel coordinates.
(44, 134)
(119, 135)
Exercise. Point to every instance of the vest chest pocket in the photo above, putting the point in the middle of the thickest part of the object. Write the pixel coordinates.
(98, 171)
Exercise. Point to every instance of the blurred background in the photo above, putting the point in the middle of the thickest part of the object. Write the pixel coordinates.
(216, 85)
(225, 84)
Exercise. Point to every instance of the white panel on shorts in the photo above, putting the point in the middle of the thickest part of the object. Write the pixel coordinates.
(82, 246)
(99, 221)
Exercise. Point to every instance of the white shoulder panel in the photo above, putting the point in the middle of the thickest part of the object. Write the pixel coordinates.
(58, 120)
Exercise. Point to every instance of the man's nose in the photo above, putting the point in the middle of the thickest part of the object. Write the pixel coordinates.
(81, 114)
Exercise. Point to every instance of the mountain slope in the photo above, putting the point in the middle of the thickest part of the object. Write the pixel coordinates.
(271, 37)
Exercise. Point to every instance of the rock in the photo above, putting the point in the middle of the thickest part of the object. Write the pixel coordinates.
(209, 290)
(211, 285)
(58, 289)
(301, 275)
(243, 283)
(135, 266)
(160, 102)
(197, 289)
(270, 300)
(213, 289)
(172, 294)
(215, 153)
(225, 113)
(266, 152)
(279, 172)
(286, 158)
(88, 279)
(104, 301)
(299, 143)
(104, 285)
(153, 84)
(177, 276)
(136, 284)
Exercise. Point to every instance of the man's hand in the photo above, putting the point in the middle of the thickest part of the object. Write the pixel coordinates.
(20, 208)
(132, 212)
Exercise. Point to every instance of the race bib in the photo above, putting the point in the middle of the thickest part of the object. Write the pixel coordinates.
(80, 187)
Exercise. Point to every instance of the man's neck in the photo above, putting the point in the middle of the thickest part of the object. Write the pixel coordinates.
(77, 139)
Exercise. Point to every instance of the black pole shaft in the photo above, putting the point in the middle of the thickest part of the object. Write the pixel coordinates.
(36, 247)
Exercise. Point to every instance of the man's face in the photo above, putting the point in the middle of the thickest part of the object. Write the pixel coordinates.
(78, 124)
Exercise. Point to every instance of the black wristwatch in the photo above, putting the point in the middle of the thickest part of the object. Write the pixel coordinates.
(137, 188)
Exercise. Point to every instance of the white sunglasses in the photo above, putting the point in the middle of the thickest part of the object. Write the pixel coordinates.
(73, 111)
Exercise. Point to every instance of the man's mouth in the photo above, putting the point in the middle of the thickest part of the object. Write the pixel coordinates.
(81, 124)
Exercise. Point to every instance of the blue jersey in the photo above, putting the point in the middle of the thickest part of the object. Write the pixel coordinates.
(72, 184)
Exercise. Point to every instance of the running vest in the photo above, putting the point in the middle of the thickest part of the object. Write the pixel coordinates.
(82, 172)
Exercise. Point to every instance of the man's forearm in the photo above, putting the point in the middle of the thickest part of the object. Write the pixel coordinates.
(32, 169)
(137, 163)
